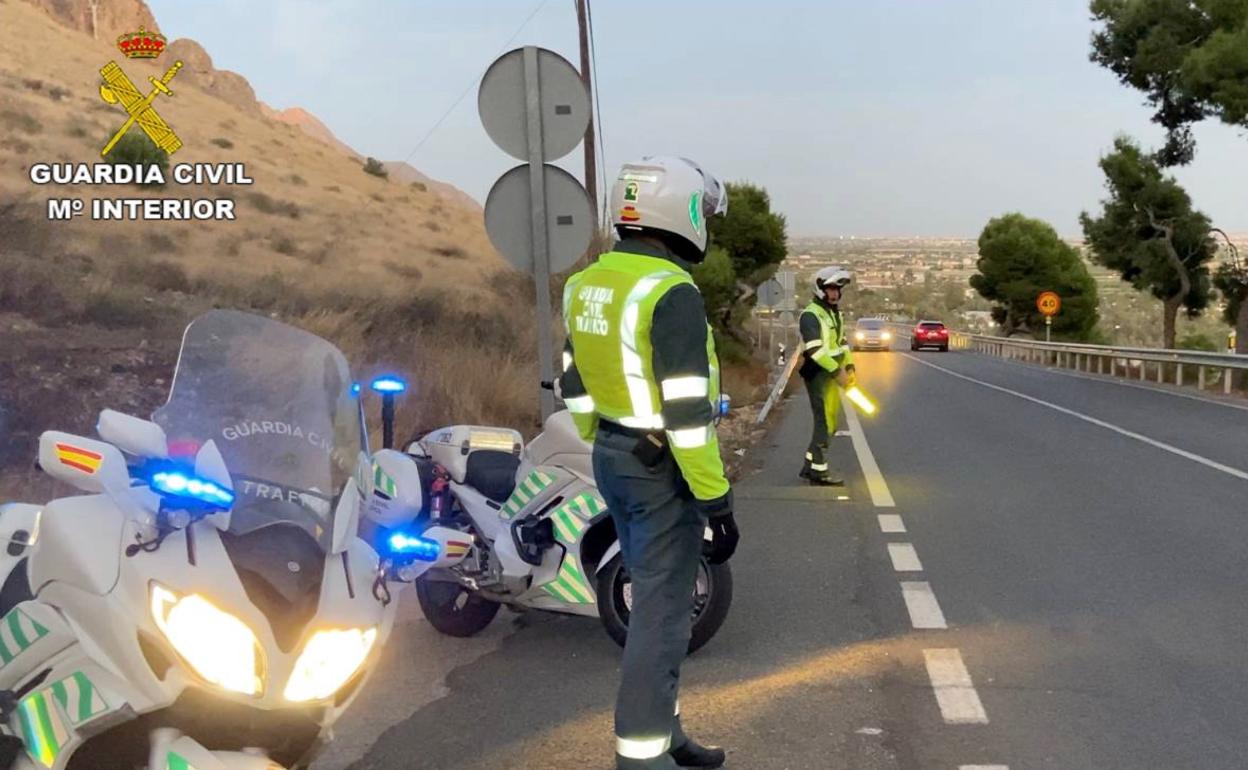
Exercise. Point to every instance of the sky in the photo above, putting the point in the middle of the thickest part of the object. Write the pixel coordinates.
(882, 118)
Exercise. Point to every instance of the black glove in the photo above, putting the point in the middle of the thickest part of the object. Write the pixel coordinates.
(724, 539)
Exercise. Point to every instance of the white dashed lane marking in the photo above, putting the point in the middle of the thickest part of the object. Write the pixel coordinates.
(904, 557)
(983, 767)
(891, 524)
(922, 605)
(955, 692)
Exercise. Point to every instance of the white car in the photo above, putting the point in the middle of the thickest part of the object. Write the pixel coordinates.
(871, 334)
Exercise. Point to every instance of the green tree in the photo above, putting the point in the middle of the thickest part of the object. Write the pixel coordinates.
(754, 237)
(717, 280)
(1021, 257)
(1189, 57)
(1232, 281)
(1149, 232)
(136, 149)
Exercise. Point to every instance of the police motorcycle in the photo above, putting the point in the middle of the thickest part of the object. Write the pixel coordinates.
(498, 522)
(207, 602)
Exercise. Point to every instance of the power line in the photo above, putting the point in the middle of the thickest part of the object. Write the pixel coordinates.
(437, 124)
(341, 233)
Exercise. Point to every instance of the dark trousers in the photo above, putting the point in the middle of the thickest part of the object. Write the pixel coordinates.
(825, 403)
(660, 533)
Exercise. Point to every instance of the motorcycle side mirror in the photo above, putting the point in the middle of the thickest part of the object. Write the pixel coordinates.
(389, 387)
(132, 435)
(398, 494)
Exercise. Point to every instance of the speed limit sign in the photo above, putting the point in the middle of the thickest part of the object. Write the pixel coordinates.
(1048, 303)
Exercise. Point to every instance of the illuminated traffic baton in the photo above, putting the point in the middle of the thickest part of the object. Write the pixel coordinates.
(860, 399)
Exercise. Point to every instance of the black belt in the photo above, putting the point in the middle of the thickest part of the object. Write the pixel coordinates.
(615, 429)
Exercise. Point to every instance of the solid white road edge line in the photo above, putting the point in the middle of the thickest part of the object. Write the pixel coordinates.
(921, 603)
(890, 523)
(1236, 472)
(904, 557)
(880, 496)
(983, 767)
(955, 692)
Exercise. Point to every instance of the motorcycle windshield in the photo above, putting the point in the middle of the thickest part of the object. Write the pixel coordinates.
(280, 405)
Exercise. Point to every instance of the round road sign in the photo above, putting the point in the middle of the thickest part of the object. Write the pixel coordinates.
(508, 218)
(1048, 303)
(502, 98)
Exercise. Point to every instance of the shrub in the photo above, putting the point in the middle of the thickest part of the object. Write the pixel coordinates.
(378, 197)
(451, 252)
(155, 274)
(405, 270)
(268, 205)
(19, 121)
(285, 245)
(374, 167)
(32, 84)
(57, 93)
(297, 180)
(420, 186)
(115, 307)
(223, 143)
(136, 149)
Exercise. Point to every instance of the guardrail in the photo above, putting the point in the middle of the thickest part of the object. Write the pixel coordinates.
(1182, 367)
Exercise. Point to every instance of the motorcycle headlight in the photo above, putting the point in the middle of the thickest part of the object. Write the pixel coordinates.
(215, 644)
(329, 659)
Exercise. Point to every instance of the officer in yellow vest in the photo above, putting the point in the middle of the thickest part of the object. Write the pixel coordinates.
(641, 379)
(829, 366)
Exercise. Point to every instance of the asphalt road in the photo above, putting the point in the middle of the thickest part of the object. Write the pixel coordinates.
(1067, 593)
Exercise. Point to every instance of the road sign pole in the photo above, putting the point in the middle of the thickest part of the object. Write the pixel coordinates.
(541, 253)
(771, 335)
(1048, 328)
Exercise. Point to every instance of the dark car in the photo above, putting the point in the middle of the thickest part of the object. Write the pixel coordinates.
(929, 334)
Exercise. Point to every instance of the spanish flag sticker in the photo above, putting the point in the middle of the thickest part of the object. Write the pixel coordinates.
(629, 214)
(79, 459)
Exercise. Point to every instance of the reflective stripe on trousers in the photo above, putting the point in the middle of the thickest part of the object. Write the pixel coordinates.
(660, 533)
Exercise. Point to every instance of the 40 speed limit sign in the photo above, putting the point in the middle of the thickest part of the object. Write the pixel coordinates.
(1048, 303)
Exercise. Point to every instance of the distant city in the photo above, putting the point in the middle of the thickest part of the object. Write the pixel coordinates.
(930, 276)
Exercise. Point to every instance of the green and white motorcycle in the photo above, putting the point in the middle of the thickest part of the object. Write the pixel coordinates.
(207, 602)
(502, 523)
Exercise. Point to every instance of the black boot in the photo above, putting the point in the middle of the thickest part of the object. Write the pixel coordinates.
(804, 473)
(825, 479)
(692, 754)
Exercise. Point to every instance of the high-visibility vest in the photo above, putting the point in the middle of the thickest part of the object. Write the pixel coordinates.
(608, 309)
(833, 351)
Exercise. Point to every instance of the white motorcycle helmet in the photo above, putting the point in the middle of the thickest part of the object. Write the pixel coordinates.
(669, 197)
(831, 276)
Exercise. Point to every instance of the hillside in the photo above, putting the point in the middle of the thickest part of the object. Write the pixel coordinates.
(91, 312)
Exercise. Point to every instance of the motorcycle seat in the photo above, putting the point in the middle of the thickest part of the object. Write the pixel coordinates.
(492, 473)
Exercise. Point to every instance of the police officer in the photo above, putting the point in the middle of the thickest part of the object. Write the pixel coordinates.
(641, 379)
(828, 367)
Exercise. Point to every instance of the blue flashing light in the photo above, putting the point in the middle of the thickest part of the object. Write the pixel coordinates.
(355, 388)
(388, 384)
(186, 486)
(402, 544)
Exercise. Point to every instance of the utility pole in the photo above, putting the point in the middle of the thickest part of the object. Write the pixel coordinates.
(95, 27)
(591, 162)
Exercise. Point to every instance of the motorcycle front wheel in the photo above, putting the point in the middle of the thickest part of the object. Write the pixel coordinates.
(452, 609)
(712, 596)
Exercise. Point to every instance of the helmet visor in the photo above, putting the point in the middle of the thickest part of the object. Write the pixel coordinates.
(714, 195)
